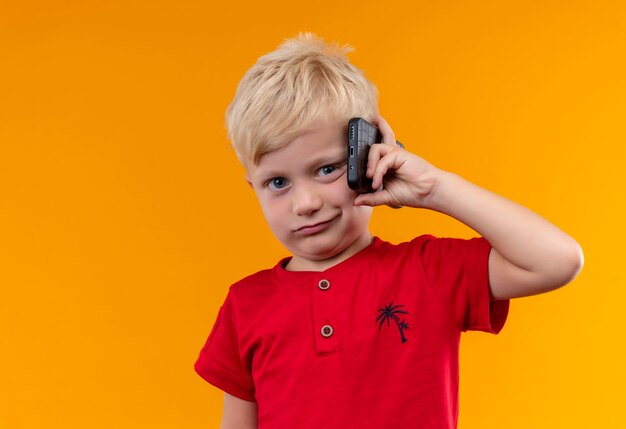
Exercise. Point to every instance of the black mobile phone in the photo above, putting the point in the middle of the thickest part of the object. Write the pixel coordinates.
(361, 135)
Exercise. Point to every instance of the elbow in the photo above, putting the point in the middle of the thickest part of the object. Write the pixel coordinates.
(571, 264)
(578, 260)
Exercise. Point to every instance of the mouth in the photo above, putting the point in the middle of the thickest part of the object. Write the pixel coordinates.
(314, 228)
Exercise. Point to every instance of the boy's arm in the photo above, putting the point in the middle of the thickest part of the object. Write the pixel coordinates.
(529, 256)
(238, 414)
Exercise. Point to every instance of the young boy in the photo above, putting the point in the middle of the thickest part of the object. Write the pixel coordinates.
(352, 331)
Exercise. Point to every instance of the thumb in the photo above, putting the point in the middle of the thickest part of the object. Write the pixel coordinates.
(372, 199)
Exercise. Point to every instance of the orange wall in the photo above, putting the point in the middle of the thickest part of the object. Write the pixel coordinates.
(124, 215)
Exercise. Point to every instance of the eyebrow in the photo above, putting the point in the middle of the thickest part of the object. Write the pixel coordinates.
(328, 159)
(333, 158)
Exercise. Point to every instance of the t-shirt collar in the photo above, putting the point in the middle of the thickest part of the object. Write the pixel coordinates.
(289, 277)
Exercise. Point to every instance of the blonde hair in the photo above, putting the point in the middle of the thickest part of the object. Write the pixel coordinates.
(304, 82)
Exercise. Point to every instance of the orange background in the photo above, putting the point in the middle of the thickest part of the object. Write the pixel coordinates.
(124, 215)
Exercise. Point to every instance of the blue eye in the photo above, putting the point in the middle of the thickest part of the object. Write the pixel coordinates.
(327, 169)
(277, 183)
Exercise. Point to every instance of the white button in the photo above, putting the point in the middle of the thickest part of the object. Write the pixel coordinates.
(323, 284)
(327, 331)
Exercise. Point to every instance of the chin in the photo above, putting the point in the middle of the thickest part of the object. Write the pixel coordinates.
(324, 251)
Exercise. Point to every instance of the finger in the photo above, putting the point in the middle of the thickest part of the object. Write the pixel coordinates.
(376, 152)
(389, 161)
(372, 199)
(385, 129)
(372, 159)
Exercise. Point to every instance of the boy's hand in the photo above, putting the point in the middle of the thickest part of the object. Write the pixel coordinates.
(529, 255)
(408, 179)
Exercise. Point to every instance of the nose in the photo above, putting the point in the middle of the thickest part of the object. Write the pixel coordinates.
(306, 199)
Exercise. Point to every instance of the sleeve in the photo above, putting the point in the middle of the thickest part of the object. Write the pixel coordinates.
(220, 361)
(458, 270)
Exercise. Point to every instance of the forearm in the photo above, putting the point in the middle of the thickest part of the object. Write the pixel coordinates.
(519, 235)
(238, 414)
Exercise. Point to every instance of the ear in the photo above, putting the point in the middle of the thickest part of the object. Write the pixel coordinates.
(248, 181)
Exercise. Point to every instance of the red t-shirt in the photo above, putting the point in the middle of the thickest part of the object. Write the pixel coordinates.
(371, 342)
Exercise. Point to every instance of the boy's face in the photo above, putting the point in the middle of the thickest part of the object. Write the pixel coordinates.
(304, 195)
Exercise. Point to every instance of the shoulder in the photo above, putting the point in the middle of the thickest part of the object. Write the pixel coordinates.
(255, 288)
(387, 256)
(408, 248)
(252, 286)
(259, 278)
(429, 248)
(430, 244)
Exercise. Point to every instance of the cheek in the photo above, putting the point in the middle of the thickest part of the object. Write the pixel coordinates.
(274, 211)
(343, 196)
(363, 213)
(340, 194)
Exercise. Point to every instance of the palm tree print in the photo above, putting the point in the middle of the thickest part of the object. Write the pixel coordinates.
(391, 312)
